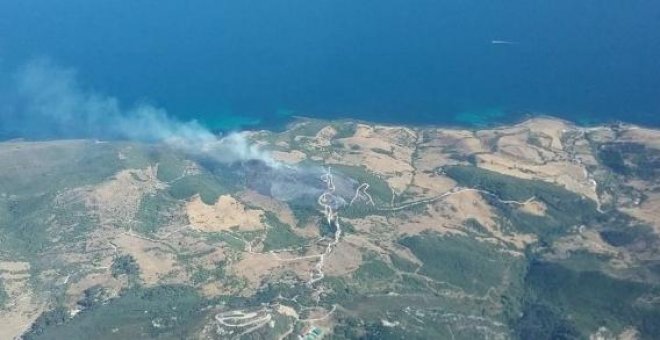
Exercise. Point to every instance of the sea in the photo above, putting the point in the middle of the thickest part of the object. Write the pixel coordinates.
(236, 64)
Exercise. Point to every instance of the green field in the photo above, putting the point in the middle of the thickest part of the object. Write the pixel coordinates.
(280, 235)
(168, 312)
(463, 262)
(557, 302)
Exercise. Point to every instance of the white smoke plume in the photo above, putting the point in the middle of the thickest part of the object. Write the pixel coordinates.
(43, 100)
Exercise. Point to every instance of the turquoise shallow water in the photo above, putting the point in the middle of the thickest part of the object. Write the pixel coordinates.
(236, 63)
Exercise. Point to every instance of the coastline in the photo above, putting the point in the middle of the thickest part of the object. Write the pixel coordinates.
(294, 120)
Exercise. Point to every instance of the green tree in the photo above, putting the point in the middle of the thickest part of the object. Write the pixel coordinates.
(125, 265)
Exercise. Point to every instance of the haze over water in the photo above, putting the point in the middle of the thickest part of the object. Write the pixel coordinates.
(238, 62)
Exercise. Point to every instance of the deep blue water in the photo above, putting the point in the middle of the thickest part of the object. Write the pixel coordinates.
(237, 62)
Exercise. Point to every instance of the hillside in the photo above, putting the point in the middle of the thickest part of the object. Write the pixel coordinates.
(348, 230)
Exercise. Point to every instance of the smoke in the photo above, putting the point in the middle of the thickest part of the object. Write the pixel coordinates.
(300, 186)
(43, 100)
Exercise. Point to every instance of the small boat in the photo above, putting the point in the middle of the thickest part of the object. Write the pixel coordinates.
(502, 42)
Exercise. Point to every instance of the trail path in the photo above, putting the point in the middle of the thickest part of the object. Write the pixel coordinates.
(326, 200)
(454, 191)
